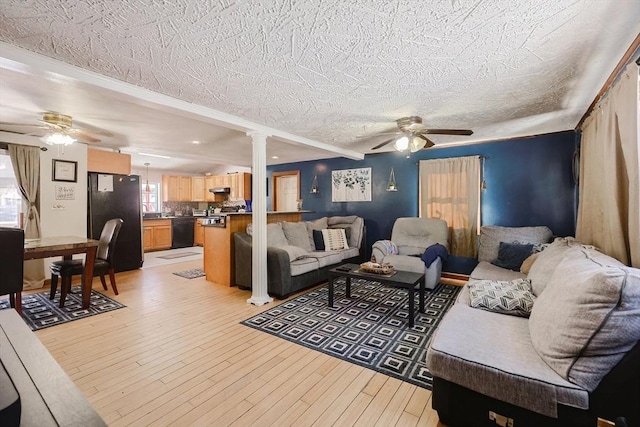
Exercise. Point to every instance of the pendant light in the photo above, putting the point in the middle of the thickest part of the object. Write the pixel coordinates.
(391, 186)
(147, 188)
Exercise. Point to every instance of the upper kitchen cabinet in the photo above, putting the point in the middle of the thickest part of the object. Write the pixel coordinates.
(198, 189)
(240, 184)
(176, 188)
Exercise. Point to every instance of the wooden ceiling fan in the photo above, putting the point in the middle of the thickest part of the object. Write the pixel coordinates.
(412, 133)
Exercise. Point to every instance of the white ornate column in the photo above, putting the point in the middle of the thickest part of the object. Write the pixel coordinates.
(259, 291)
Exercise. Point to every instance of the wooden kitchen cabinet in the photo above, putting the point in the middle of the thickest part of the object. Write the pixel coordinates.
(198, 233)
(209, 182)
(198, 189)
(176, 188)
(156, 234)
(240, 184)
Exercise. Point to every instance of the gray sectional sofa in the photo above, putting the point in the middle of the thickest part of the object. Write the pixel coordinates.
(575, 358)
(293, 261)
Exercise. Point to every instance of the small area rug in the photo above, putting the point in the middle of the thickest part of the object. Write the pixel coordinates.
(39, 312)
(369, 329)
(190, 274)
(180, 255)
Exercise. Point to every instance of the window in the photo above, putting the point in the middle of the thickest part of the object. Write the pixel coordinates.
(10, 197)
(150, 192)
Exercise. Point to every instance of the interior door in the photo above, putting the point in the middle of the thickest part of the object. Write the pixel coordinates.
(286, 191)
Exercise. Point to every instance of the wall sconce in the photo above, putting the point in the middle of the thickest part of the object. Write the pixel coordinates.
(391, 186)
(314, 185)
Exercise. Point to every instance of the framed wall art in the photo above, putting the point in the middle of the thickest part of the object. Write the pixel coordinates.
(351, 185)
(65, 171)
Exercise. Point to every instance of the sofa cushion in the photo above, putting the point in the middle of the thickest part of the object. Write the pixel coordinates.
(492, 235)
(405, 263)
(316, 224)
(275, 235)
(587, 317)
(546, 263)
(527, 263)
(511, 255)
(492, 354)
(502, 296)
(318, 239)
(294, 252)
(487, 271)
(326, 258)
(303, 265)
(297, 234)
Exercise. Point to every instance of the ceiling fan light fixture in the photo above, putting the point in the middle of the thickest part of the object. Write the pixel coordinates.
(58, 138)
(401, 143)
(417, 144)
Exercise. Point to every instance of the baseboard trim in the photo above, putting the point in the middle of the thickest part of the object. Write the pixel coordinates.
(456, 279)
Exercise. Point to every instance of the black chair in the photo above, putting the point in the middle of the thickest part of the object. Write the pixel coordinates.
(12, 265)
(66, 269)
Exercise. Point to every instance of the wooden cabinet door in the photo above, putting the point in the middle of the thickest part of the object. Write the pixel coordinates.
(162, 237)
(184, 191)
(197, 189)
(170, 188)
(147, 238)
(234, 179)
(209, 182)
(198, 234)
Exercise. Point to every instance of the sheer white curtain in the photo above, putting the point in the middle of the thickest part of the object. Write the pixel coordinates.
(450, 190)
(26, 166)
(609, 209)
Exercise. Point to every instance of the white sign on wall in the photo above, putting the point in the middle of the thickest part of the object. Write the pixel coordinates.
(351, 185)
(65, 192)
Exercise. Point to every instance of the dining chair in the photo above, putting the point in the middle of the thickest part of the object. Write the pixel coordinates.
(12, 265)
(105, 253)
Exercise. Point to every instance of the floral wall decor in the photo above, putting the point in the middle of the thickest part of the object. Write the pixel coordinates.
(351, 185)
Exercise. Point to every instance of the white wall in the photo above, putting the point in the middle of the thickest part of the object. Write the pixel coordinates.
(59, 217)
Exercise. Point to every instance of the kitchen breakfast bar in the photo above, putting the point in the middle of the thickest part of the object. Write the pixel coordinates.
(219, 259)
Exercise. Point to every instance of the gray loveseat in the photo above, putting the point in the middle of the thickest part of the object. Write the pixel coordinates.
(293, 261)
(576, 358)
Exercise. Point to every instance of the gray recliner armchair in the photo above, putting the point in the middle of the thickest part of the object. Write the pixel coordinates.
(411, 237)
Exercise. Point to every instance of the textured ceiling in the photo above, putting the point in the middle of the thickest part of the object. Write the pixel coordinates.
(334, 70)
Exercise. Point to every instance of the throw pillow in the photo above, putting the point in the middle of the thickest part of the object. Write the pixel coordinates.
(334, 239)
(511, 255)
(588, 316)
(502, 296)
(318, 241)
(316, 224)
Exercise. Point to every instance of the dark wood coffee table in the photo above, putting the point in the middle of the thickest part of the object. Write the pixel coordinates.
(401, 279)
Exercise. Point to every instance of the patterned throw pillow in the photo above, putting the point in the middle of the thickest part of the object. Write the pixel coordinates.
(501, 296)
(334, 239)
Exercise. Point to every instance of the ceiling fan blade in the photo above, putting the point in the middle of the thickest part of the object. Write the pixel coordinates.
(449, 131)
(428, 143)
(383, 144)
(80, 134)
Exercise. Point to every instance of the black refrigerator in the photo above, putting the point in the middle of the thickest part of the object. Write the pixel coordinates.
(117, 196)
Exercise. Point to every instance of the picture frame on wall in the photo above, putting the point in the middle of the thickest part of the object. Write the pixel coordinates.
(64, 170)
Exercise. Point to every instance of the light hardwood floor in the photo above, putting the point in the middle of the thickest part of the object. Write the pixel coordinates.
(177, 355)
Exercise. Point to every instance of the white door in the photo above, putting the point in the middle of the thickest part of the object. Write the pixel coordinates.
(287, 187)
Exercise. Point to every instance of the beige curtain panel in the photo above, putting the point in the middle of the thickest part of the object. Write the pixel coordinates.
(450, 190)
(26, 166)
(609, 209)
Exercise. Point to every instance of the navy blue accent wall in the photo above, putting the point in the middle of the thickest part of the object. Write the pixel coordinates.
(529, 182)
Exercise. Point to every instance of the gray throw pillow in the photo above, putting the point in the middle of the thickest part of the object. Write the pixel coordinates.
(588, 316)
(316, 224)
(297, 234)
(501, 296)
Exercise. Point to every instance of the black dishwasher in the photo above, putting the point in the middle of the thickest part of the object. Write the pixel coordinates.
(182, 232)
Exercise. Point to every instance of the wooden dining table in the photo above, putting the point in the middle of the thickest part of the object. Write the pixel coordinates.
(66, 247)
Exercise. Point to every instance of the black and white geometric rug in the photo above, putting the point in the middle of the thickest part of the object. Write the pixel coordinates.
(190, 274)
(369, 329)
(39, 312)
